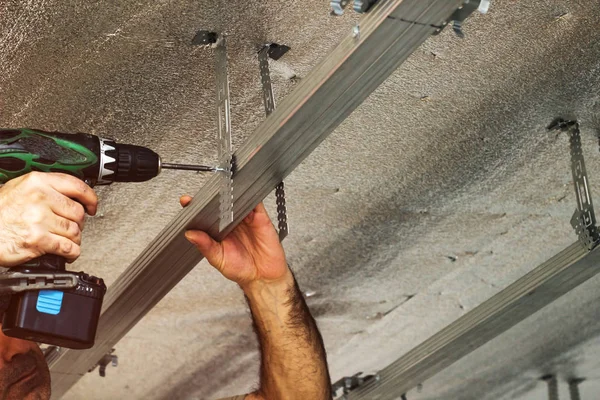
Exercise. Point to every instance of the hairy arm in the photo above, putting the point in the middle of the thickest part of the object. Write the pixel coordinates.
(293, 360)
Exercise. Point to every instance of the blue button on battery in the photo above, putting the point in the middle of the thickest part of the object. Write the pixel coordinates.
(49, 301)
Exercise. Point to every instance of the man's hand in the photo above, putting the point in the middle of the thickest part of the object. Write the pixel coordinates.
(43, 213)
(293, 359)
(250, 253)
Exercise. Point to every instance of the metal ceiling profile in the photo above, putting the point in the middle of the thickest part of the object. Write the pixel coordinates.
(552, 279)
(388, 35)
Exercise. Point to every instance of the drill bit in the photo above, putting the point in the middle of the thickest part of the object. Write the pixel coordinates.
(190, 167)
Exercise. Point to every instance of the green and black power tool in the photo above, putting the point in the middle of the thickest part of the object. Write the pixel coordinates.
(49, 304)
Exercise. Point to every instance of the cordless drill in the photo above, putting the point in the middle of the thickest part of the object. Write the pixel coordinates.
(67, 315)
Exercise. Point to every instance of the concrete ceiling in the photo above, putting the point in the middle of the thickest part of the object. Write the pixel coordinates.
(447, 160)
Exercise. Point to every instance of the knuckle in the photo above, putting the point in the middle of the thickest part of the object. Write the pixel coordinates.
(33, 178)
(73, 229)
(57, 247)
(32, 238)
(78, 185)
(75, 232)
(78, 212)
(73, 250)
(65, 225)
(65, 246)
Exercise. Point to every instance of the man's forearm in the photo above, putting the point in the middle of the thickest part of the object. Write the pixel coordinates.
(293, 359)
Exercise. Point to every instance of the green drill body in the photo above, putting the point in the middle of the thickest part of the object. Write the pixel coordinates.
(90, 158)
(26, 150)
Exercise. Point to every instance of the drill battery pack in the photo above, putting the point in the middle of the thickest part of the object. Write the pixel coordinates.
(65, 318)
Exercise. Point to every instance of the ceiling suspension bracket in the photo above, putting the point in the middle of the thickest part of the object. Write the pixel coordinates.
(584, 218)
(349, 383)
(462, 13)
(108, 358)
(275, 52)
(360, 6)
(226, 159)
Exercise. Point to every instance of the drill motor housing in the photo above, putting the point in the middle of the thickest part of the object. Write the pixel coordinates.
(95, 160)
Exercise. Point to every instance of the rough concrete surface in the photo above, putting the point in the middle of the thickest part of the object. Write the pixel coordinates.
(448, 160)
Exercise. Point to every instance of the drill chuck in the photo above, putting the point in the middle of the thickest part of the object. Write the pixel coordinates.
(126, 163)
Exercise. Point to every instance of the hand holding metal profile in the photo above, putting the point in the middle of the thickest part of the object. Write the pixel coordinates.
(251, 252)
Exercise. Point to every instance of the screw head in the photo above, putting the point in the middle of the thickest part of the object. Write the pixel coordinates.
(484, 6)
(356, 31)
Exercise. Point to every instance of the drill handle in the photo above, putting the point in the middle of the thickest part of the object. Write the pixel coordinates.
(47, 262)
(52, 261)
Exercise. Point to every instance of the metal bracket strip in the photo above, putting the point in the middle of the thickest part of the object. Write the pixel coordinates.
(108, 358)
(269, 100)
(574, 388)
(584, 219)
(226, 161)
(552, 383)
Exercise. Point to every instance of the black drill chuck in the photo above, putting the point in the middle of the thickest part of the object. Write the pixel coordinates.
(128, 163)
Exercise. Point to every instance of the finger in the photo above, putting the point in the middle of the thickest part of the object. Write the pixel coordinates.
(61, 246)
(64, 207)
(65, 228)
(185, 200)
(258, 216)
(75, 189)
(248, 219)
(260, 208)
(210, 249)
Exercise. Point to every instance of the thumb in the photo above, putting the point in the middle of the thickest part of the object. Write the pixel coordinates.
(185, 200)
(210, 249)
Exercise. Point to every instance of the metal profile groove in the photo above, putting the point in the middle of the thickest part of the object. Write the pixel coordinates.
(321, 101)
(546, 283)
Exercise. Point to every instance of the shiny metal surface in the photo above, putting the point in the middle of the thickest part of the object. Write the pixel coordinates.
(189, 167)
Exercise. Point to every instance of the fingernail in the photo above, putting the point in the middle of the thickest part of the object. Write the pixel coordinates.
(188, 236)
